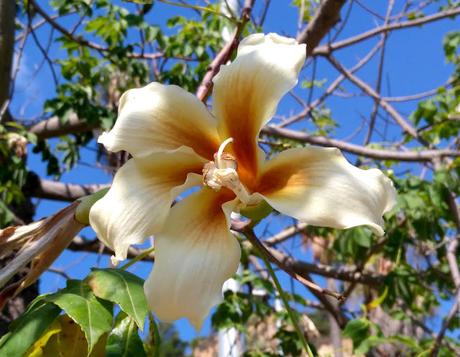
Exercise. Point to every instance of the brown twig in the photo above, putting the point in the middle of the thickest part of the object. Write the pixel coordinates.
(332, 87)
(53, 127)
(379, 154)
(378, 85)
(7, 16)
(327, 49)
(320, 293)
(249, 233)
(81, 40)
(204, 89)
(403, 123)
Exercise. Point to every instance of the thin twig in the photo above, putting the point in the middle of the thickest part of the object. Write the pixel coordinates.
(224, 55)
(249, 233)
(378, 85)
(403, 123)
(327, 49)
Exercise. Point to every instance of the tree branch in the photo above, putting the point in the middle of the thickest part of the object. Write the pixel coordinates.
(305, 279)
(224, 55)
(403, 123)
(327, 15)
(285, 234)
(332, 87)
(83, 41)
(344, 274)
(53, 127)
(379, 154)
(7, 16)
(53, 190)
(327, 49)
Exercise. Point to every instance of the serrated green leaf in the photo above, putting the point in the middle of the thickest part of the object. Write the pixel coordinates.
(79, 302)
(28, 328)
(123, 288)
(124, 340)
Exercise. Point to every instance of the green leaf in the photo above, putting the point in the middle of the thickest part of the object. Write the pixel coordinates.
(61, 334)
(123, 288)
(28, 328)
(78, 301)
(358, 330)
(124, 340)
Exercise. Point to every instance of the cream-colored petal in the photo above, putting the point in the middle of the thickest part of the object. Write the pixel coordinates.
(141, 195)
(194, 255)
(159, 118)
(247, 91)
(320, 187)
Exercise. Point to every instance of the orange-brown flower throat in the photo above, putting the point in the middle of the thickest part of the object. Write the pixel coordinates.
(222, 172)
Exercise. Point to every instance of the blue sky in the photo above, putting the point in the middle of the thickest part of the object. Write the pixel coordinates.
(414, 63)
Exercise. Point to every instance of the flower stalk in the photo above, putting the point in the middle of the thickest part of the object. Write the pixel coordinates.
(283, 296)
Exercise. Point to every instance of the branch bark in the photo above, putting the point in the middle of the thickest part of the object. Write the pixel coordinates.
(53, 190)
(379, 154)
(327, 15)
(7, 16)
(225, 54)
(53, 127)
(327, 49)
(344, 274)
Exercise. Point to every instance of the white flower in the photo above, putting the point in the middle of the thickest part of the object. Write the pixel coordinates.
(176, 143)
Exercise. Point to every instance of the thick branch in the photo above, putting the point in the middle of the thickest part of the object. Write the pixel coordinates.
(7, 16)
(327, 15)
(379, 154)
(53, 190)
(53, 127)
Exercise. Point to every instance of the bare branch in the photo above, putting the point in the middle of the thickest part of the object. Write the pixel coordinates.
(305, 279)
(378, 86)
(53, 190)
(96, 246)
(327, 15)
(83, 41)
(332, 87)
(327, 49)
(224, 55)
(285, 234)
(403, 123)
(53, 127)
(379, 154)
(7, 16)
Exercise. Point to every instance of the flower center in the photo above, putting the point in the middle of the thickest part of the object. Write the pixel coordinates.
(222, 173)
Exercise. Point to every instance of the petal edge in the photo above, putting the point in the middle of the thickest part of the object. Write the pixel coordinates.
(320, 187)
